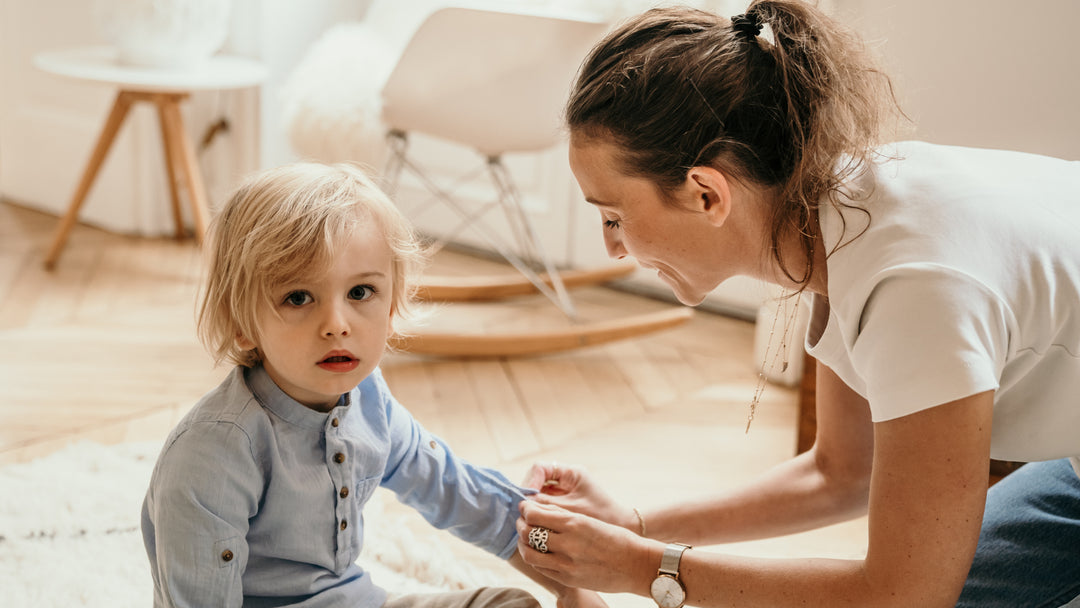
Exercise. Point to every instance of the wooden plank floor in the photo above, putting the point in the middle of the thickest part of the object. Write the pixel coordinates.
(103, 348)
(104, 345)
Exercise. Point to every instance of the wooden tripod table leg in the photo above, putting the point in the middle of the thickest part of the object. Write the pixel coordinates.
(172, 162)
(101, 150)
(183, 149)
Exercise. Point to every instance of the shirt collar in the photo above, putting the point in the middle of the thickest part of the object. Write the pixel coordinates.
(271, 397)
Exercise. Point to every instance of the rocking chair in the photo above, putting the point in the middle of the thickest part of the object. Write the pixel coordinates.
(495, 80)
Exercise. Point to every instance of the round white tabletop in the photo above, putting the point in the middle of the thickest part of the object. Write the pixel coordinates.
(100, 64)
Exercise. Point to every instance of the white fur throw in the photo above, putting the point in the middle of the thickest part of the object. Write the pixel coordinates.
(332, 102)
(69, 535)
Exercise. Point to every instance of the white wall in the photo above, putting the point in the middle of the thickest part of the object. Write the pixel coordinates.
(48, 124)
(984, 73)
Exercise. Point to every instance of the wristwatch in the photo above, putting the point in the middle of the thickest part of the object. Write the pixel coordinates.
(667, 590)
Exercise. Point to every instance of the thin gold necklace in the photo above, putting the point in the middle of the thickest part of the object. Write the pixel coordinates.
(761, 381)
(788, 323)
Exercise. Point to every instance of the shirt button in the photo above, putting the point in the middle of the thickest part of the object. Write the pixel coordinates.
(344, 524)
(334, 422)
(432, 444)
(339, 458)
(226, 555)
(344, 493)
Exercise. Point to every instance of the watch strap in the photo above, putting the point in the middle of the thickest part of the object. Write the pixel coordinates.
(669, 562)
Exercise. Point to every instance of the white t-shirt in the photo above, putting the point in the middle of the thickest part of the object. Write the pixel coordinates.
(966, 279)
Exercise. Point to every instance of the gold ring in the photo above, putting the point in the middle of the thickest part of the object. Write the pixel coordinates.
(552, 481)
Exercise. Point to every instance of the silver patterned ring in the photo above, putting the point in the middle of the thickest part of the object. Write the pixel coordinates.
(538, 538)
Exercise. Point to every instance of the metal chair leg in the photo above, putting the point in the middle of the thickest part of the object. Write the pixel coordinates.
(510, 199)
(552, 287)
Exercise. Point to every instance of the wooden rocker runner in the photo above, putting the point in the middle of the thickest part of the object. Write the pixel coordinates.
(522, 344)
(460, 344)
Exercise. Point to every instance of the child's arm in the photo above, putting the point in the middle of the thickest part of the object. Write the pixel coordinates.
(478, 505)
(568, 597)
(195, 520)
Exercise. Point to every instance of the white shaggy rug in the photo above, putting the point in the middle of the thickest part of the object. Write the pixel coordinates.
(69, 535)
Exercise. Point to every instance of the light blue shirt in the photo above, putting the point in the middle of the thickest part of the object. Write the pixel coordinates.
(256, 500)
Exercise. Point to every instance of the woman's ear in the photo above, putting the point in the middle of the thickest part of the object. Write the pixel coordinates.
(712, 193)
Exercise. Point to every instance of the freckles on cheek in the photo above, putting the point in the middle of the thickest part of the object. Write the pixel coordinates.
(645, 245)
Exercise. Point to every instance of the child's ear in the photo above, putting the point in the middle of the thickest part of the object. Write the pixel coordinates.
(244, 344)
(390, 325)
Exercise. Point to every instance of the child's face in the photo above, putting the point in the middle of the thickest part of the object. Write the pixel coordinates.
(321, 337)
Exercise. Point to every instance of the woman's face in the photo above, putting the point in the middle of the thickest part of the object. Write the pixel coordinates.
(680, 240)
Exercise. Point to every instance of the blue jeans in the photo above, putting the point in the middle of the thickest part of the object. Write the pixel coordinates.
(1029, 547)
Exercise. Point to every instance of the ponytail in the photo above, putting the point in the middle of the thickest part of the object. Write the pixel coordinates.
(678, 87)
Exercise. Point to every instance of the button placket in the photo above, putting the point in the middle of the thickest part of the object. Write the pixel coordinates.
(338, 472)
(339, 458)
(341, 475)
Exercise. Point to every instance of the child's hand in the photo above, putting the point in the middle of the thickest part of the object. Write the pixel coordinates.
(571, 488)
(580, 598)
(553, 479)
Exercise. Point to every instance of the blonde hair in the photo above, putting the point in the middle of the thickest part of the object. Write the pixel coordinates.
(285, 224)
(676, 88)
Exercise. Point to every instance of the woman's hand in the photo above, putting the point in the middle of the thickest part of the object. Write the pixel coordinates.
(571, 488)
(587, 553)
(565, 595)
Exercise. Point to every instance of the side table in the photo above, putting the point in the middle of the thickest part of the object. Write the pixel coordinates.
(165, 88)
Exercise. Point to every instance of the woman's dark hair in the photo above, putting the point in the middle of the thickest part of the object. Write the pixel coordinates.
(676, 88)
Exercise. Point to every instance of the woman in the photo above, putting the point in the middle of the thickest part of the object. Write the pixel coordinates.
(944, 287)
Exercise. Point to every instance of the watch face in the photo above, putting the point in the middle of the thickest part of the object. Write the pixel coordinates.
(668, 592)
